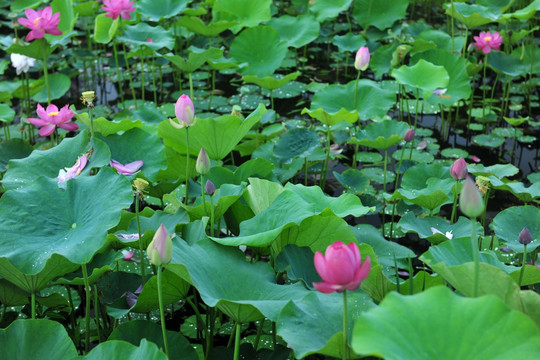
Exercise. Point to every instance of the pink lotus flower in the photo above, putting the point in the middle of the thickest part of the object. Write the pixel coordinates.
(470, 199)
(160, 248)
(361, 62)
(128, 255)
(52, 117)
(40, 22)
(115, 8)
(185, 112)
(458, 170)
(487, 41)
(341, 268)
(127, 169)
(409, 135)
(69, 173)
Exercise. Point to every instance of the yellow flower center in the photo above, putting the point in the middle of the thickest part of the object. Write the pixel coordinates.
(36, 20)
(487, 38)
(53, 113)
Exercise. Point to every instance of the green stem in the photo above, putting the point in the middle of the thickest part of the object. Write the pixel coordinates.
(130, 77)
(87, 312)
(454, 207)
(475, 252)
(384, 190)
(46, 73)
(141, 245)
(258, 336)
(154, 88)
(211, 217)
(237, 341)
(213, 89)
(142, 80)
(119, 77)
(96, 312)
(161, 311)
(356, 90)
(190, 87)
(202, 197)
(484, 89)
(452, 21)
(415, 118)
(187, 162)
(345, 352)
(33, 304)
(522, 264)
(91, 117)
(327, 160)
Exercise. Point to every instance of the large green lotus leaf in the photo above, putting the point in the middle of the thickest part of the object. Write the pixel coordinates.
(261, 193)
(6, 113)
(297, 142)
(21, 5)
(256, 168)
(314, 324)
(472, 15)
(316, 232)
(458, 87)
(423, 75)
(23, 172)
(11, 295)
(381, 135)
(13, 149)
(244, 291)
(496, 5)
(36, 49)
(160, 9)
(297, 31)
(136, 330)
(174, 289)
(328, 9)
(332, 118)
(261, 48)
(517, 188)
(196, 25)
(354, 180)
(107, 127)
(271, 82)
(422, 226)
(59, 84)
(436, 324)
(196, 58)
(507, 64)
(373, 100)
(120, 350)
(429, 198)
(349, 42)
(295, 204)
(105, 28)
(67, 20)
(381, 14)
(441, 39)
(223, 199)
(55, 221)
(137, 144)
(526, 13)
(138, 35)
(298, 263)
(498, 170)
(416, 177)
(247, 13)
(36, 339)
(510, 222)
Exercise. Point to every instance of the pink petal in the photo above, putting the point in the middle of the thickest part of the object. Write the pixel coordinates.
(37, 122)
(69, 126)
(47, 130)
(325, 288)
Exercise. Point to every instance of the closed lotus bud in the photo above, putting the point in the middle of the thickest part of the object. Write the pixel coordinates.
(203, 162)
(470, 200)
(459, 171)
(209, 188)
(525, 236)
(185, 112)
(361, 62)
(409, 135)
(160, 248)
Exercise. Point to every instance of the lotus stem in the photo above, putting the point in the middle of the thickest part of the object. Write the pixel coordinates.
(46, 73)
(524, 258)
(187, 162)
(161, 312)
(345, 352)
(154, 79)
(258, 336)
(237, 340)
(130, 77)
(119, 77)
(87, 312)
(33, 304)
(475, 253)
(141, 245)
(454, 207)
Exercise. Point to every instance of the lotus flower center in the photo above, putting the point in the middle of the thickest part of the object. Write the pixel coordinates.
(53, 113)
(487, 38)
(36, 21)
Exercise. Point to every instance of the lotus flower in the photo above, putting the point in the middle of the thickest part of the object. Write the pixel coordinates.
(409, 135)
(127, 254)
(127, 169)
(203, 162)
(341, 268)
(115, 8)
(52, 117)
(361, 62)
(185, 112)
(22, 63)
(458, 170)
(160, 248)
(69, 173)
(40, 22)
(209, 188)
(470, 199)
(487, 41)
(525, 236)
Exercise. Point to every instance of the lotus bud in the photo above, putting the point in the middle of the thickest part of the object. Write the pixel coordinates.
(140, 184)
(458, 171)
(470, 199)
(409, 135)
(160, 248)
(88, 98)
(361, 62)
(525, 236)
(185, 112)
(209, 188)
(203, 162)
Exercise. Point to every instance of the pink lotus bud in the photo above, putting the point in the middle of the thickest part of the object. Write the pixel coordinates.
(409, 135)
(459, 171)
(128, 255)
(160, 248)
(209, 187)
(185, 112)
(203, 162)
(361, 62)
(341, 268)
(470, 199)
(525, 236)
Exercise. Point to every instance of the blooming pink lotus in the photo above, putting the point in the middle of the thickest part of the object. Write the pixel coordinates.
(69, 173)
(127, 169)
(487, 41)
(52, 117)
(40, 22)
(341, 268)
(115, 8)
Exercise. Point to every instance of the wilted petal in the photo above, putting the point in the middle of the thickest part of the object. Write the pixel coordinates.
(127, 169)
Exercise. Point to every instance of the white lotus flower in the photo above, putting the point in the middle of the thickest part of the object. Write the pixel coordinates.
(22, 63)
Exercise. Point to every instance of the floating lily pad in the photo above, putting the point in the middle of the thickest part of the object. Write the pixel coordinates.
(196, 58)
(510, 222)
(138, 35)
(298, 142)
(376, 174)
(118, 350)
(297, 31)
(271, 82)
(349, 42)
(499, 170)
(454, 153)
(13, 149)
(381, 135)
(489, 140)
(161, 9)
(397, 329)
(353, 180)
